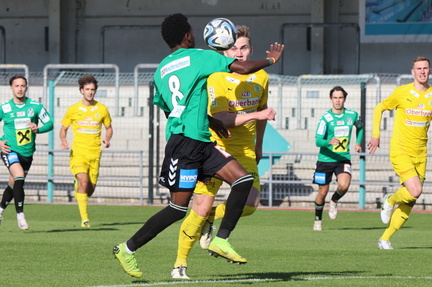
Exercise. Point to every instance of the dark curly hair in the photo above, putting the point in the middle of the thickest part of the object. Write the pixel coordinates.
(87, 79)
(174, 27)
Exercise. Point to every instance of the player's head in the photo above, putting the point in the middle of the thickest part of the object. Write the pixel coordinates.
(87, 79)
(176, 29)
(421, 70)
(13, 78)
(242, 49)
(337, 97)
(18, 86)
(338, 89)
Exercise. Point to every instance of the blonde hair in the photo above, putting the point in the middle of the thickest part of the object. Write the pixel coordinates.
(420, 59)
(243, 31)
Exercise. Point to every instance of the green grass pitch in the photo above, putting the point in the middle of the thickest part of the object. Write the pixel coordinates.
(281, 248)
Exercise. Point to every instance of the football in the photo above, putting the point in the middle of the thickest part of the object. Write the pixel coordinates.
(220, 34)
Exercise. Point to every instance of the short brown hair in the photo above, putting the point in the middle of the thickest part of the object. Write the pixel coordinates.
(13, 78)
(340, 89)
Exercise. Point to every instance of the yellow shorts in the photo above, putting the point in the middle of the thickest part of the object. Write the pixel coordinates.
(407, 166)
(88, 163)
(212, 186)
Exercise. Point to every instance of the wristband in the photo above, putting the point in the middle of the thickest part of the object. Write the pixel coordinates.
(271, 60)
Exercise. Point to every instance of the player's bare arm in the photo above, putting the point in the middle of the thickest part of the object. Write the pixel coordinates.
(235, 120)
(219, 127)
(373, 144)
(108, 136)
(4, 147)
(64, 143)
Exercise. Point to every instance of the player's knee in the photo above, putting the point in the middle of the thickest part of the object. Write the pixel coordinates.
(244, 183)
(248, 210)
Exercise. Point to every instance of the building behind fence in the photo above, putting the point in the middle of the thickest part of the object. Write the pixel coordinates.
(129, 169)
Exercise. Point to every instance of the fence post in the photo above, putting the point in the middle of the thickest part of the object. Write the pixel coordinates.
(50, 182)
(362, 163)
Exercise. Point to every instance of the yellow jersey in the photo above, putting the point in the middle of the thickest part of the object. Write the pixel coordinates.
(86, 124)
(238, 94)
(412, 120)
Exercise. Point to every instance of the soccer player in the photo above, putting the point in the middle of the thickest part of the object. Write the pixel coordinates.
(86, 117)
(408, 145)
(190, 155)
(21, 117)
(333, 137)
(240, 102)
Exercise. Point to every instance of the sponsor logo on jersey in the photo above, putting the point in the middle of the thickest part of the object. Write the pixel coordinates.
(416, 123)
(87, 131)
(175, 66)
(342, 131)
(251, 78)
(246, 94)
(420, 106)
(88, 123)
(257, 88)
(212, 95)
(6, 108)
(188, 178)
(243, 103)
(20, 114)
(321, 130)
(416, 112)
(414, 93)
(21, 123)
(232, 80)
(43, 116)
(320, 178)
(328, 117)
(339, 123)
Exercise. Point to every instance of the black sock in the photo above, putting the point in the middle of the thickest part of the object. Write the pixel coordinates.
(18, 194)
(7, 197)
(156, 224)
(234, 205)
(318, 211)
(336, 196)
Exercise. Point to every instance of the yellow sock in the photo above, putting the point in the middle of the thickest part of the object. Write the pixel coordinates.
(398, 219)
(82, 200)
(248, 210)
(220, 211)
(212, 215)
(190, 232)
(401, 195)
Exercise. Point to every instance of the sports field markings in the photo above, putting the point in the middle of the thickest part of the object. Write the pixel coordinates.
(193, 282)
(266, 279)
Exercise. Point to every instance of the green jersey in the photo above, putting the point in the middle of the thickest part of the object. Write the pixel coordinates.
(181, 90)
(17, 118)
(339, 126)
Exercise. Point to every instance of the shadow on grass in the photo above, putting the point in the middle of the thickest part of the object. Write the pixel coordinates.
(291, 276)
(122, 223)
(81, 229)
(365, 228)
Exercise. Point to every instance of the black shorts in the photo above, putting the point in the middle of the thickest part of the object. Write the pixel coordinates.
(324, 171)
(14, 157)
(187, 161)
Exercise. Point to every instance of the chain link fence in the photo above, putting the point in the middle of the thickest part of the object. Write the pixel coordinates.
(126, 166)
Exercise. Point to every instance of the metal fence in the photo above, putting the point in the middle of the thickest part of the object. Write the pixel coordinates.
(130, 167)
